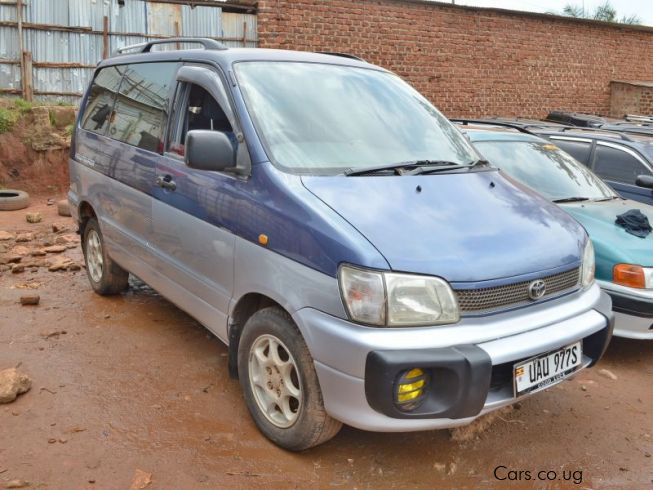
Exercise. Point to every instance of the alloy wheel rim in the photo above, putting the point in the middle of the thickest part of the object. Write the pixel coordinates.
(94, 258)
(275, 382)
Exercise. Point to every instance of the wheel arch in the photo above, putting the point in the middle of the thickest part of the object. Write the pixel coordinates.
(85, 212)
(245, 307)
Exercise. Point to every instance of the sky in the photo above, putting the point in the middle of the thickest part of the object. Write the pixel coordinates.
(642, 8)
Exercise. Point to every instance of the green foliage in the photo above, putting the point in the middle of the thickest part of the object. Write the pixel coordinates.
(23, 106)
(7, 120)
(605, 12)
(69, 129)
(574, 11)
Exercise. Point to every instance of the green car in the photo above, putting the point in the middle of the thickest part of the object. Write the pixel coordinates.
(624, 262)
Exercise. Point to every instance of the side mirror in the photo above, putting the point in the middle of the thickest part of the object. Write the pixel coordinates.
(209, 150)
(644, 181)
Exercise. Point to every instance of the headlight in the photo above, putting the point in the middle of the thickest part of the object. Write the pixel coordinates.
(633, 276)
(390, 299)
(589, 265)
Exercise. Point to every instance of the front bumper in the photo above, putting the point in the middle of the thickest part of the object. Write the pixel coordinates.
(633, 309)
(481, 352)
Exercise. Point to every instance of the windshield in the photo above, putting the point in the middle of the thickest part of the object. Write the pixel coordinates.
(327, 118)
(546, 169)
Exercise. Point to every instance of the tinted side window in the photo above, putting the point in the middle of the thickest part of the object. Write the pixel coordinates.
(617, 165)
(141, 109)
(101, 98)
(580, 150)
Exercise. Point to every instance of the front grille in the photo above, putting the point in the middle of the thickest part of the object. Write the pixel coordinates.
(488, 299)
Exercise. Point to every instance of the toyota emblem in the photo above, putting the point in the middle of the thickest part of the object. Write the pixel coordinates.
(536, 289)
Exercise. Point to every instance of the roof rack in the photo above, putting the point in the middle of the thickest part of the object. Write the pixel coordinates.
(638, 119)
(491, 122)
(575, 119)
(609, 131)
(342, 55)
(206, 42)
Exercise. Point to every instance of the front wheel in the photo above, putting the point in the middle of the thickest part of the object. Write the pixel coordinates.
(280, 384)
(106, 277)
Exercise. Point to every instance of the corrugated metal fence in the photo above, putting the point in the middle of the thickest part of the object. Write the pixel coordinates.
(54, 45)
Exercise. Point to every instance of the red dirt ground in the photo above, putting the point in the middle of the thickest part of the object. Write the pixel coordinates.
(136, 384)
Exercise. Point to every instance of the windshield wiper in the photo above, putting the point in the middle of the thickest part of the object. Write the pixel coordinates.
(399, 168)
(479, 162)
(416, 167)
(571, 199)
(443, 165)
(611, 198)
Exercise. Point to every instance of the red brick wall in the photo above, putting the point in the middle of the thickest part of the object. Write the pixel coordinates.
(646, 102)
(631, 99)
(470, 61)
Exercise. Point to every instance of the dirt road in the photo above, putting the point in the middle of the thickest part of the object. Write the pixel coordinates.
(132, 383)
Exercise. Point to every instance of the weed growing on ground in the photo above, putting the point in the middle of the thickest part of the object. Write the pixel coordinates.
(7, 120)
(23, 106)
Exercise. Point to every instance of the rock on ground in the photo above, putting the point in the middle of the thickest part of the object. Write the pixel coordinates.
(17, 268)
(19, 250)
(17, 484)
(141, 480)
(63, 208)
(10, 259)
(24, 237)
(12, 384)
(5, 235)
(30, 299)
(63, 264)
(67, 239)
(54, 249)
(34, 217)
(608, 374)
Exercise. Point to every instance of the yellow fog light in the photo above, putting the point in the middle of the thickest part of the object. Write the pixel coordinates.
(410, 389)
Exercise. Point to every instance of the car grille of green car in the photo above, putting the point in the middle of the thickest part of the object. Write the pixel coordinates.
(483, 300)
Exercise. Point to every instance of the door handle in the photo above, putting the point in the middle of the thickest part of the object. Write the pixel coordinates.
(166, 182)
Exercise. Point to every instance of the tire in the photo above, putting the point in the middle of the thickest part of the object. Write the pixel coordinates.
(311, 425)
(11, 200)
(106, 277)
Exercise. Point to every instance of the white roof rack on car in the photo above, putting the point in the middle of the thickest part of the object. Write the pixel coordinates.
(638, 118)
(206, 42)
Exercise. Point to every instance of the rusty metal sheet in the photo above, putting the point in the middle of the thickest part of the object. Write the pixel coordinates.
(129, 25)
(238, 26)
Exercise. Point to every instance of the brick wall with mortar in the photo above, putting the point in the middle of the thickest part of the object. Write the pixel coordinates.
(470, 61)
(631, 98)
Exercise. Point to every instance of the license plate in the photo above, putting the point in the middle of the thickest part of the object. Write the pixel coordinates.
(547, 369)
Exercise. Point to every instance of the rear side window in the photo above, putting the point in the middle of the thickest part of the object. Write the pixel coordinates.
(141, 109)
(101, 98)
(618, 165)
(580, 150)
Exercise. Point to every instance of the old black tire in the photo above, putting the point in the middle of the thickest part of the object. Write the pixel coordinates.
(110, 278)
(11, 200)
(312, 425)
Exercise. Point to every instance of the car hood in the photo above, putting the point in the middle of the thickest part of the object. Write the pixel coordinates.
(465, 227)
(612, 243)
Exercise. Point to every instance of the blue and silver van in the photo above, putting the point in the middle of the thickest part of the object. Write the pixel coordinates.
(326, 222)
